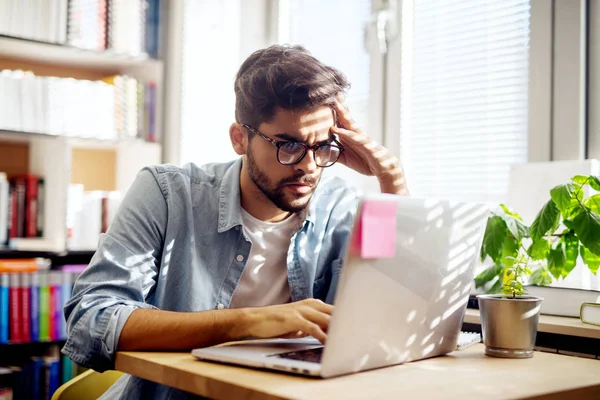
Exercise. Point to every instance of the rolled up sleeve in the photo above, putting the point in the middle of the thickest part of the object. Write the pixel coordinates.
(121, 276)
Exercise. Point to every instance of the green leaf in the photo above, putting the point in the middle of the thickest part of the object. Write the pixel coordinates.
(580, 179)
(590, 259)
(493, 238)
(546, 220)
(571, 246)
(487, 275)
(556, 261)
(541, 277)
(510, 212)
(593, 203)
(568, 223)
(539, 249)
(516, 227)
(595, 182)
(587, 229)
(561, 196)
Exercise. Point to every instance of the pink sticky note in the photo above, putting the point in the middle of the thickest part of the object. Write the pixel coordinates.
(376, 234)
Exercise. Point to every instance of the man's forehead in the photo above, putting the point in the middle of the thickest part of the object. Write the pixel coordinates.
(313, 122)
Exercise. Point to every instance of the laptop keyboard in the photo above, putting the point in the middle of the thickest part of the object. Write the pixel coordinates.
(310, 355)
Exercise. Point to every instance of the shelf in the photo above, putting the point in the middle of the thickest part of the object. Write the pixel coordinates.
(551, 324)
(20, 136)
(75, 141)
(50, 53)
(56, 258)
(45, 343)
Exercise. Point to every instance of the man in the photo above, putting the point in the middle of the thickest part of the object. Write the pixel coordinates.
(252, 248)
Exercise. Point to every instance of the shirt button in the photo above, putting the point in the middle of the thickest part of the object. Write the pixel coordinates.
(220, 306)
(240, 258)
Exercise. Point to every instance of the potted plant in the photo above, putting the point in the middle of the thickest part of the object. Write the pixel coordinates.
(566, 228)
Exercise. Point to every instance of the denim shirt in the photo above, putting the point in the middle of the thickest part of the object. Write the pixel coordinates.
(176, 244)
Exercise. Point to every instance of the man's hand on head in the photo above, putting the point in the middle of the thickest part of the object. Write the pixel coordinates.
(364, 155)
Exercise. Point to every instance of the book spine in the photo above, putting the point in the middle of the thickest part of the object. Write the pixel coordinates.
(12, 212)
(41, 206)
(4, 307)
(35, 307)
(15, 309)
(4, 207)
(51, 309)
(25, 294)
(44, 307)
(56, 277)
(65, 291)
(20, 188)
(31, 205)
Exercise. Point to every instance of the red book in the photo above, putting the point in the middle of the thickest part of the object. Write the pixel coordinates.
(31, 203)
(13, 214)
(51, 312)
(25, 292)
(14, 300)
(19, 209)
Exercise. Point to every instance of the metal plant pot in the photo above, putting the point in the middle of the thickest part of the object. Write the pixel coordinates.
(509, 326)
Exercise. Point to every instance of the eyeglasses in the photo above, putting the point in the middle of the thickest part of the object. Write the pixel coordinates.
(290, 153)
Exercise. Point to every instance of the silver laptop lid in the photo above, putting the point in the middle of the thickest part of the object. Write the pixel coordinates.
(408, 305)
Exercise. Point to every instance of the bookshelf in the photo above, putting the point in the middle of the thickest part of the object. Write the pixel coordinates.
(30, 51)
(80, 106)
(66, 159)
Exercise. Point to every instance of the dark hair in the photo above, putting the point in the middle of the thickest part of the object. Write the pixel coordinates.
(283, 76)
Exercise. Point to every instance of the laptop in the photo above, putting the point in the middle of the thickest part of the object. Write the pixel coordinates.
(404, 306)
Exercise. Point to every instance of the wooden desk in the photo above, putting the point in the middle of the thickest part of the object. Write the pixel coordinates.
(551, 324)
(466, 374)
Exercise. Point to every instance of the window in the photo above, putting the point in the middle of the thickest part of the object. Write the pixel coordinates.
(464, 97)
(211, 55)
(333, 32)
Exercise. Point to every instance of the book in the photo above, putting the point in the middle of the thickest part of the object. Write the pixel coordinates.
(4, 307)
(25, 297)
(590, 313)
(44, 307)
(4, 207)
(560, 301)
(15, 319)
(34, 305)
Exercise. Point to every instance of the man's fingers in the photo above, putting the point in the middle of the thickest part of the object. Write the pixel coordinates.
(317, 317)
(344, 116)
(320, 306)
(353, 138)
(314, 330)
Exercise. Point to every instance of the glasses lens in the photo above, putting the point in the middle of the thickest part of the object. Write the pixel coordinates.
(327, 155)
(291, 152)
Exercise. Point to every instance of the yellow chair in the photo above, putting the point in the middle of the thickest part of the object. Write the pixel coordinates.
(87, 385)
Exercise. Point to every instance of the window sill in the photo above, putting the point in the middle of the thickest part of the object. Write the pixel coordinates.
(551, 324)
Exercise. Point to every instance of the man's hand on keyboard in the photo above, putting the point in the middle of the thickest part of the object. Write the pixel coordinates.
(308, 317)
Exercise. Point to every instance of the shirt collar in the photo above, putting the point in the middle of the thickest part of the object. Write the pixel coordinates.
(230, 205)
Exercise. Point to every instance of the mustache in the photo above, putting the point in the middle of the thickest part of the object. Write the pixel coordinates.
(303, 180)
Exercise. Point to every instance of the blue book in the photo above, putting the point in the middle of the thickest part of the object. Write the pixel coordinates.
(37, 370)
(54, 380)
(65, 291)
(4, 283)
(34, 306)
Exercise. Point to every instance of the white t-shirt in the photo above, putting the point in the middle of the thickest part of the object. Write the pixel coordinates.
(264, 280)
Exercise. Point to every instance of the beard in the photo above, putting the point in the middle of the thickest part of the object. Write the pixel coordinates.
(296, 202)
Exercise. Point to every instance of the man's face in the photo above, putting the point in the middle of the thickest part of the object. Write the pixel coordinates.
(289, 187)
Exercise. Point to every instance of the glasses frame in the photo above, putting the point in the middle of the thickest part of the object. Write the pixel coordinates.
(314, 148)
